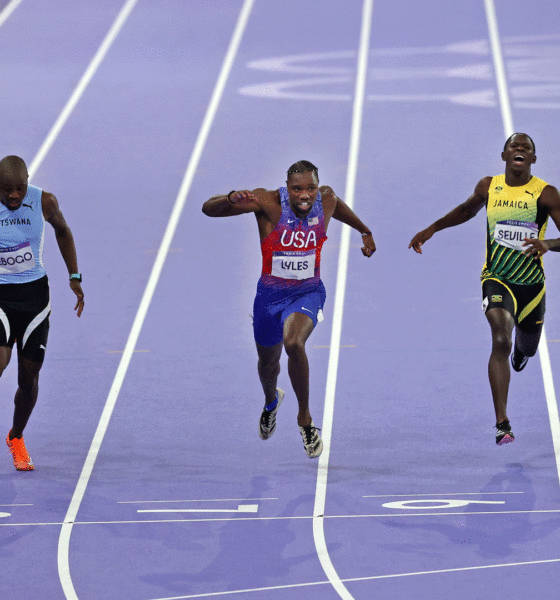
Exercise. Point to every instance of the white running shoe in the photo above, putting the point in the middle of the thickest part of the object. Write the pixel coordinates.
(312, 441)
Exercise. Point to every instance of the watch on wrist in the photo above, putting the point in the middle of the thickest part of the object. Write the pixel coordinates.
(76, 276)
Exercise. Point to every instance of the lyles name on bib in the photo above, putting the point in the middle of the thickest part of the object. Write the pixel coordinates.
(293, 265)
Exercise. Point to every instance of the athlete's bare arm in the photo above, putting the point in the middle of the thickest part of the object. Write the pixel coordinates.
(550, 199)
(460, 214)
(336, 208)
(236, 203)
(65, 240)
(265, 204)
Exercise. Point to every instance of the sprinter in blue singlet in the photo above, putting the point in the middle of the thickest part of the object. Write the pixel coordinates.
(290, 295)
(24, 289)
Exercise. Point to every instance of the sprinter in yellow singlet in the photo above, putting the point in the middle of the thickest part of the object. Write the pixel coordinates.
(517, 206)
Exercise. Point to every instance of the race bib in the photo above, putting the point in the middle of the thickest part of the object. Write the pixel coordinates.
(293, 265)
(511, 234)
(16, 259)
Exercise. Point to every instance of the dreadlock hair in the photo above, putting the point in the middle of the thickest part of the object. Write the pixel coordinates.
(303, 166)
(519, 133)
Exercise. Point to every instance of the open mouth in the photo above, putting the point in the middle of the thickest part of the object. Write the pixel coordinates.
(518, 159)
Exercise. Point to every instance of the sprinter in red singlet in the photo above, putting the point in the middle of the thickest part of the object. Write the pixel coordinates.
(290, 295)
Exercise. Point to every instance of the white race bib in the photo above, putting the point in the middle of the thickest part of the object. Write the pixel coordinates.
(16, 259)
(511, 234)
(293, 265)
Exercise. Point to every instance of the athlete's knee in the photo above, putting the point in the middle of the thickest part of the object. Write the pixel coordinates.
(501, 341)
(27, 382)
(295, 346)
(269, 365)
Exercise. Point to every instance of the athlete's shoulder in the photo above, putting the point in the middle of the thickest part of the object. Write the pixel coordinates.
(327, 191)
(483, 186)
(49, 204)
(328, 197)
(549, 196)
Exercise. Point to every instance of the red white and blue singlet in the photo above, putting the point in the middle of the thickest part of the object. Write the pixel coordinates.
(292, 252)
(291, 271)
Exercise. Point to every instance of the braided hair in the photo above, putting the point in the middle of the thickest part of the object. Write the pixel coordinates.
(303, 166)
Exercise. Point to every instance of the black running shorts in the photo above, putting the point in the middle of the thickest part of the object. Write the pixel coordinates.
(525, 303)
(24, 317)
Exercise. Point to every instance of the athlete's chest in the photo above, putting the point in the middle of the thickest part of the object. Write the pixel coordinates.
(18, 225)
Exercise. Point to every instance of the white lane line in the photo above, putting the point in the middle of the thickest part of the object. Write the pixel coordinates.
(82, 85)
(499, 66)
(550, 394)
(242, 508)
(64, 540)
(8, 10)
(323, 467)
(203, 500)
(3, 505)
(309, 517)
(370, 578)
(442, 494)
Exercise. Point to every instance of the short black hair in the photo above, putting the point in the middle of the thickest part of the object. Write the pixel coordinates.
(303, 166)
(519, 133)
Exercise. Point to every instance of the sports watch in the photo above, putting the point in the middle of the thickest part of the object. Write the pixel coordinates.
(76, 276)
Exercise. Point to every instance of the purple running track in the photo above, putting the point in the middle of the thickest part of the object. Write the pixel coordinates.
(413, 416)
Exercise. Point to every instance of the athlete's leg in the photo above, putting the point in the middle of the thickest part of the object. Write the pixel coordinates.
(527, 343)
(269, 369)
(26, 394)
(297, 329)
(501, 324)
(528, 330)
(5, 355)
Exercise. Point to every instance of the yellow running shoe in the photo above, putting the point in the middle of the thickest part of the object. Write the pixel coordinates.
(22, 460)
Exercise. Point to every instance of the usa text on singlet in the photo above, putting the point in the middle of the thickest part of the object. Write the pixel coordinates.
(292, 252)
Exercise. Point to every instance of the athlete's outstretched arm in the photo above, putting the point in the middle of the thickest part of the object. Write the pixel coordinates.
(343, 213)
(549, 198)
(65, 241)
(232, 204)
(460, 214)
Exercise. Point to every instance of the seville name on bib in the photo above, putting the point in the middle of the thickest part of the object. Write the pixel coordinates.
(512, 234)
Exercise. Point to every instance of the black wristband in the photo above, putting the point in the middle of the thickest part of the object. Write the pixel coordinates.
(366, 233)
(228, 197)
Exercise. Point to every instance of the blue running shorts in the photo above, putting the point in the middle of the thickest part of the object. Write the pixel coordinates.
(273, 306)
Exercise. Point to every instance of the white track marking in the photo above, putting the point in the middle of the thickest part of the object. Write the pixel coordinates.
(372, 516)
(371, 578)
(242, 508)
(203, 500)
(82, 85)
(64, 540)
(442, 494)
(499, 66)
(323, 467)
(546, 368)
(8, 10)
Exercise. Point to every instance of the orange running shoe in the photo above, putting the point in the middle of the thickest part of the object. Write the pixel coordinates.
(22, 460)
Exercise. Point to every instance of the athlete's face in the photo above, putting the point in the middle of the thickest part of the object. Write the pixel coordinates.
(302, 191)
(519, 154)
(13, 187)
